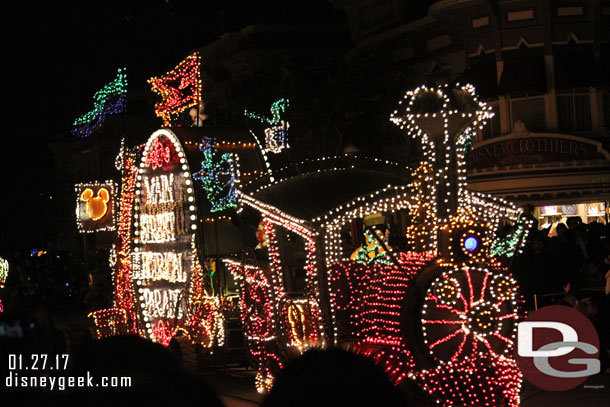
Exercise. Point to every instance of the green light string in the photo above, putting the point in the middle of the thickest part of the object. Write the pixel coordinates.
(3, 271)
(111, 99)
(277, 108)
(509, 245)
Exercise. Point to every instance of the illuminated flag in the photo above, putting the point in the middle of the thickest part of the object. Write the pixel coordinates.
(180, 88)
(111, 99)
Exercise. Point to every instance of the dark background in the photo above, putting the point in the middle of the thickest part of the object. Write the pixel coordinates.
(59, 53)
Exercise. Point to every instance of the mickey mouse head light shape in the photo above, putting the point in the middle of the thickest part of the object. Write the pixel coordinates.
(96, 206)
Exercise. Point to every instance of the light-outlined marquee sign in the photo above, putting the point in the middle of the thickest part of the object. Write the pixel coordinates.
(95, 206)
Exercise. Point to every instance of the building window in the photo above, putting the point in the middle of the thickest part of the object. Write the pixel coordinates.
(520, 15)
(530, 111)
(492, 128)
(439, 42)
(403, 54)
(570, 11)
(574, 112)
(480, 22)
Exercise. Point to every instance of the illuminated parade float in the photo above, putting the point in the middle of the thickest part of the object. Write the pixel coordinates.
(442, 312)
(401, 265)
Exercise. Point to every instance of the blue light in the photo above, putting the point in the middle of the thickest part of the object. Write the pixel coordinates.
(471, 243)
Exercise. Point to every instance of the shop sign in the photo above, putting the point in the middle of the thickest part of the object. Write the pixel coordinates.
(510, 150)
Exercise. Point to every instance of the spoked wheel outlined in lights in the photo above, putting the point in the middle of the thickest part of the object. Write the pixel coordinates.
(466, 310)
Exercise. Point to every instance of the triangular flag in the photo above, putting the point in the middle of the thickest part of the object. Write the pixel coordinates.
(180, 88)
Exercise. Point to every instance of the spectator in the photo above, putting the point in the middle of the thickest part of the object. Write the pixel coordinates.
(577, 234)
(566, 258)
(595, 307)
(47, 337)
(155, 373)
(528, 214)
(332, 377)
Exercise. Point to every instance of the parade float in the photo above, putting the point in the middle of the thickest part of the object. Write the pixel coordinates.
(159, 288)
(398, 264)
(175, 196)
(439, 309)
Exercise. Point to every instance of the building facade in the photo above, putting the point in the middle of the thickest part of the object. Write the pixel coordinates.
(541, 65)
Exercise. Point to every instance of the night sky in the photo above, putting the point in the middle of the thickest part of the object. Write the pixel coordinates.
(60, 53)
(68, 51)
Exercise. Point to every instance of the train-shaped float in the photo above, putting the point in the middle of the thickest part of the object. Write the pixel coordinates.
(401, 265)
